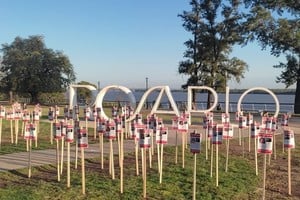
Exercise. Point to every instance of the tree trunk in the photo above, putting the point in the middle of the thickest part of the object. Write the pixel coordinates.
(209, 98)
(297, 98)
(194, 99)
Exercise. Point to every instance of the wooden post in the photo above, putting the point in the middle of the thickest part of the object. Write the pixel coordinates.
(249, 137)
(206, 143)
(51, 132)
(227, 154)
(137, 157)
(158, 158)
(0, 131)
(265, 174)
(101, 149)
(95, 127)
(255, 155)
(289, 172)
(83, 170)
(211, 159)
(183, 147)
(144, 173)
(274, 146)
(176, 148)
(217, 165)
(62, 154)
(121, 164)
(29, 160)
(11, 131)
(68, 165)
(161, 162)
(194, 182)
(240, 137)
(57, 160)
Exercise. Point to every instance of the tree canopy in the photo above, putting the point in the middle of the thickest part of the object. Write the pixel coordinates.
(215, 27)
(28, 66)
(276, 24)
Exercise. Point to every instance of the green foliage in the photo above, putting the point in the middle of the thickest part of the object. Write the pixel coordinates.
(215, 27)
(84, 93)
(29, 67)
(55, 98)
(276, 24)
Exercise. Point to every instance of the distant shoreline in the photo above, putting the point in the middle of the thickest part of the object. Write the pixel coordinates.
(237, 91)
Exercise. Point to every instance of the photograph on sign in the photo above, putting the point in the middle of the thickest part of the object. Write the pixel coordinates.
(70, 133)
(289, 139)
(144, 138)
(265, 144)
(82, 138)
(227, 131)
(195, 142)
(217, 135)
(255, 130)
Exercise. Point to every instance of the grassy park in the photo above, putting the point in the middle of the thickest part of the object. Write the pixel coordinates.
(240, 182)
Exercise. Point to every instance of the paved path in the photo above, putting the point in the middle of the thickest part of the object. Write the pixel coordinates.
(41, 157)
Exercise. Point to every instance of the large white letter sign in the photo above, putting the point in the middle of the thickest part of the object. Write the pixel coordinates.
(262, 89)
(163, 89)
(190, 89)
(101, 94)
(73, 93)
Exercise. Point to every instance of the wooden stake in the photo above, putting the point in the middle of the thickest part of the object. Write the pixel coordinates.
(249, 138)
(176, 148)
(57, 160)
(0, 131)
(22, 129)
(37, 133)
(274, 146)
(83, 170)
(68, 165)
(137, 158)
(62, 155)
(112, 159)
(240, 137)
(161, 162)
(144, 173)
(206, 144)
(158, 158)
(211, 160)
(217, 165)
(95, 128)
(243, 143)
(255, 155)
(289, 172)
(265, 174)
(76, 154)
(11, 131)
(194, 182)
(51, 132)
(150, 157)
(101, 149)
(16, 130)
(227, 154)
(152, 144)
(121, 165)
(183, 148)
(29, 160)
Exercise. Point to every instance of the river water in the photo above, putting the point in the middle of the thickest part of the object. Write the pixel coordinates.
(251, 102)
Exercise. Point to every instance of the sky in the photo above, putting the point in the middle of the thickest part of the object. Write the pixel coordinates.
(118, 42)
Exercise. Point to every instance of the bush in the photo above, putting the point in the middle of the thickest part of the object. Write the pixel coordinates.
(55, 98)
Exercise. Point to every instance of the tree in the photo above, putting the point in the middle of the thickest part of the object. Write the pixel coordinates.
(29, 67)
(216, 28)
(84, 93)
(276, 24)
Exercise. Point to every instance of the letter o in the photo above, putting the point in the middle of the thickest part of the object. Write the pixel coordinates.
(262, 89)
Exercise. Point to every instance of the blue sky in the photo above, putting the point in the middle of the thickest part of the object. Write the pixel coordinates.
(121, 42)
